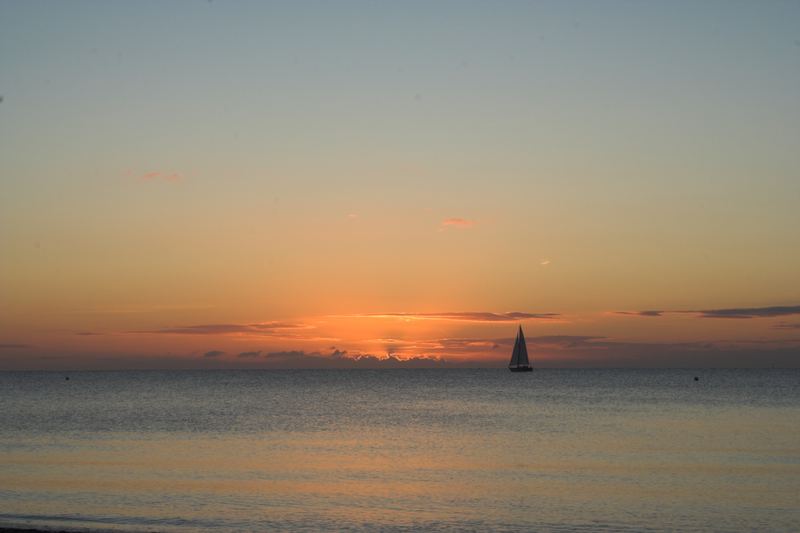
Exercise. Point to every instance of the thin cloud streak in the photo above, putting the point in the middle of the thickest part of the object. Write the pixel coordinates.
(260, 328)
(457, 222)
(735, 312)
(469, 316)
(641, 313)
(751, 312)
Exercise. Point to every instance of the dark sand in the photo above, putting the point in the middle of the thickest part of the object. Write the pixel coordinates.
(29, 530)
(18, 530)
(33, 530)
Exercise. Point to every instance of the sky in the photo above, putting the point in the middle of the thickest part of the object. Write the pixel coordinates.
(215, 184)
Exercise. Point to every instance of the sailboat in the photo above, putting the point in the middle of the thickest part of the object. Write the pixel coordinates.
(519, 357)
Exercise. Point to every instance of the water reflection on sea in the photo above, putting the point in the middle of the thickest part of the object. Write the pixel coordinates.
(562, 450)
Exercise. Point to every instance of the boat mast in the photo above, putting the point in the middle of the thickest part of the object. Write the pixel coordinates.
(523, 349)
(515, 354)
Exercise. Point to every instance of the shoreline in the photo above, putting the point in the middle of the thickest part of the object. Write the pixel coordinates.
(32, 530)
(61, 529)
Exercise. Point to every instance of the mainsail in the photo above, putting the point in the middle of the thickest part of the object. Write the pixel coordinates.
(519, 357)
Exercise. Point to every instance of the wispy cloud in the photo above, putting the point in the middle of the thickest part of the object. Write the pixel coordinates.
(259, 328)
(214, 353)
(734, 312)
(640, 313)
(13, 346)
(544, 262)
(246, 355)
(751, 312)
(456, 222)
(469, 316)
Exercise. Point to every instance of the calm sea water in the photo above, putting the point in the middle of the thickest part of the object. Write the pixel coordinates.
(552, 450)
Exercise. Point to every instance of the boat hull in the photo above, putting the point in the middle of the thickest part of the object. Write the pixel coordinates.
(521, 369)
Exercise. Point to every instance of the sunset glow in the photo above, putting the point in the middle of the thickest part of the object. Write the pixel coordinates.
(336, 193)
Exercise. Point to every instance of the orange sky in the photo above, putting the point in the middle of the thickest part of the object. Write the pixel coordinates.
(317, 181)
(722, 337)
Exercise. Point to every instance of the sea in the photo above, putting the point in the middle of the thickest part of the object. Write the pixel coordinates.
(401, 450)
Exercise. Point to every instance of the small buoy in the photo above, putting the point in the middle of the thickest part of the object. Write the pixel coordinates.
(696, 378)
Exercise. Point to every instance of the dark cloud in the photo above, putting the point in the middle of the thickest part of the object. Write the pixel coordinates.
(12, 346)
(751, 312)
(214, 353)
(336, 353)
(735, 312)
(249, 354)
(87, 333)
(340, 359)
(262, 328)
(473, 316)
(289, 354)
(640, 313)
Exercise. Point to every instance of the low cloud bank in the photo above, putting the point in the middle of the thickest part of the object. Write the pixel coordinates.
(341, 359)
(733, 312)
